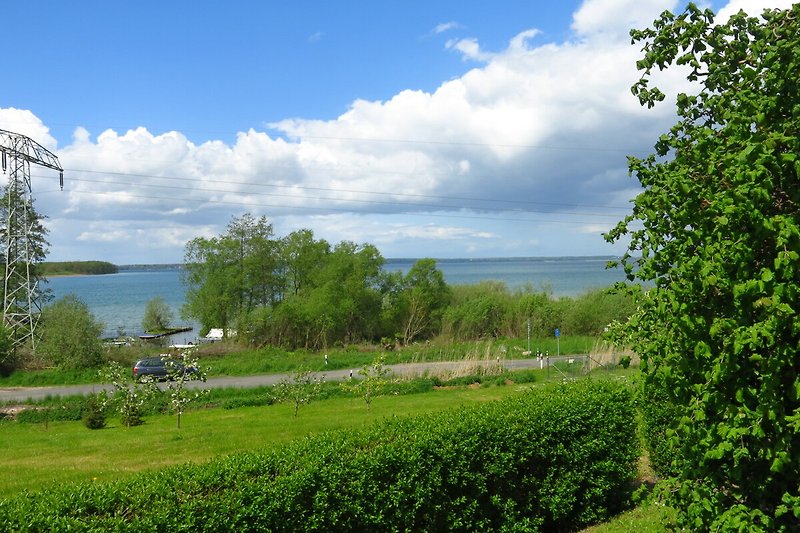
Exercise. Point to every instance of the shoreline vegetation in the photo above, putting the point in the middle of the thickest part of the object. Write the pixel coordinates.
(77, 268)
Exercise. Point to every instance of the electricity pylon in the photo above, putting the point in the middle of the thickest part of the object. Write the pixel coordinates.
(21, 302)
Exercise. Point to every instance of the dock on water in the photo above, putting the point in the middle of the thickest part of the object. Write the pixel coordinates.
(167, 333)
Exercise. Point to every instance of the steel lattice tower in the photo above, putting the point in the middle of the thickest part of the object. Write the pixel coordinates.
(21, 303)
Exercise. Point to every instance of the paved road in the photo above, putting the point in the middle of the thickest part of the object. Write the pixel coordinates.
(19, 394)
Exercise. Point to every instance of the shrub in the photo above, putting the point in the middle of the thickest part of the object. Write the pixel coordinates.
(549, 460)
(52, 410)
(95, 416)
(70, 334)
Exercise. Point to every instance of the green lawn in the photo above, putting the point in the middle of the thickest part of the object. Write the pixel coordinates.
(36, 455)
(646, 518)
(39, 455)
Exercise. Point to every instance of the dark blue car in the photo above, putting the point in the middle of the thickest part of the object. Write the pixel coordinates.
(161, 369)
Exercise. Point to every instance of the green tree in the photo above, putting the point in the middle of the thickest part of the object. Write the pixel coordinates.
(715, 232)
(128, 395)
(374, 380)
(424, 298)
(182, 368)
(230, 275)
(70, 334)
(301, 389)
(301, 256)
(9, 357)
(95, 416)
(335, 297)
(157, 315)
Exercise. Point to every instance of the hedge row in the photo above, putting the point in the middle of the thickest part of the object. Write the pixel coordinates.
(551, 460)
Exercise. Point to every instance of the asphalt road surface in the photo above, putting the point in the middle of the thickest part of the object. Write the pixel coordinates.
(20, 394)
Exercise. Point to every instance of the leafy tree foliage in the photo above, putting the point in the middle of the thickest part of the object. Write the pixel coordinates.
(716, 231)
(301, 256)
(315, 294)
(9, 358)
(182, 368)
(423, 299)
(70, 334)
(299, 291)
(157, 315)
(301, 389)
(230, 275)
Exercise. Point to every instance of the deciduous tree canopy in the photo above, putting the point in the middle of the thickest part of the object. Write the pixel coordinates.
(716, 232)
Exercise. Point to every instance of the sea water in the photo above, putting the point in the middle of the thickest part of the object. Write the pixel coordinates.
(119, 300)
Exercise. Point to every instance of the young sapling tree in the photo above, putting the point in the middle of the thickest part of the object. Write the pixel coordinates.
(302, 388)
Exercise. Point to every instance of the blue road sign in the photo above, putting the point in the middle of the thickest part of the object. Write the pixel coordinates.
(558, 332)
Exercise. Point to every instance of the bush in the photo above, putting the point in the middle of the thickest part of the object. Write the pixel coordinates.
(70, 334)
(157, 315)
(550, 460)
(523, 376)
(95, 417)
(69, 410)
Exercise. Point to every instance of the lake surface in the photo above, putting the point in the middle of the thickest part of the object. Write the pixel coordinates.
(119, 300)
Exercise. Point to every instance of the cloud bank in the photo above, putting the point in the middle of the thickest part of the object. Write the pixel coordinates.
(522, 155)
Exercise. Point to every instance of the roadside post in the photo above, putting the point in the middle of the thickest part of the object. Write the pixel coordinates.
(529, 335)
(558, 342)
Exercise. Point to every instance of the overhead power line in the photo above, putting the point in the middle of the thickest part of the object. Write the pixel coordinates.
(482, 200)
(345, 200)
(326, 209)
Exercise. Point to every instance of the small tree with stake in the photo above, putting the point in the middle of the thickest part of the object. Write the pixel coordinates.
(303, 388)
(374, 380)
(128, 396)
(183, 368)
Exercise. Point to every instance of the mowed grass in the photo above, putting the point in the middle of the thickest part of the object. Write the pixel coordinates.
(38, 455)
(651, 517)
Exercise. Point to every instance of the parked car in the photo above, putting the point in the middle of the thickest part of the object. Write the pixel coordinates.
(162, 368)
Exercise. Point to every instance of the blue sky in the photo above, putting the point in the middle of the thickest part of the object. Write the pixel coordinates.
(430, 129)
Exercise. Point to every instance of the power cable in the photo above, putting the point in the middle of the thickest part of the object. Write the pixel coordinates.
(350, 191)
(348, 200)
(334, 209)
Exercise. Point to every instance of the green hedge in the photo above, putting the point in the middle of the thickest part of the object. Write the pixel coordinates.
(551, 460)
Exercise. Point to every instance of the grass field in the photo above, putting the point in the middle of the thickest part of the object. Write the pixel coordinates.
(36, 455)
(41, 455)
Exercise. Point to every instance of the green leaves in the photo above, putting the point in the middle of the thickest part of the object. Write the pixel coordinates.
(550, 460)
(301, 389)
(719, 338)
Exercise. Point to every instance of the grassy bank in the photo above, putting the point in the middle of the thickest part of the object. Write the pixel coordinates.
(223, 359)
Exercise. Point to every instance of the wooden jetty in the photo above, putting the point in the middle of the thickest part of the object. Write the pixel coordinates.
(170, 331)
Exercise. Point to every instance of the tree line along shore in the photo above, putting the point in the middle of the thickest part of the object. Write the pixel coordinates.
(77, 268)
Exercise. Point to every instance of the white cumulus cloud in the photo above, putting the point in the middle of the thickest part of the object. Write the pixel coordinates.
(530, 143)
